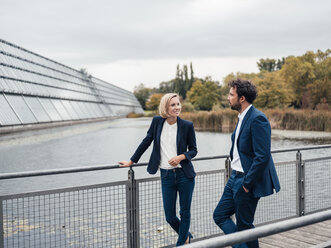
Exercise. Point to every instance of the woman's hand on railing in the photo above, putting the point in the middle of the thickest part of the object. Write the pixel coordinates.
(125, 163)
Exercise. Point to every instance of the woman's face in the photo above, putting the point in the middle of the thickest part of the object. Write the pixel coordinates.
(174, 107)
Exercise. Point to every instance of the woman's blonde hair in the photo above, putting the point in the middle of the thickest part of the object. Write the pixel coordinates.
(164, 103)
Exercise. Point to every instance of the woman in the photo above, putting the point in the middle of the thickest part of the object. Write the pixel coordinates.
(173, 148)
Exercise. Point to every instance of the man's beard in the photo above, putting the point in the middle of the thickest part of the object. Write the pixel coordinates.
(236, 106)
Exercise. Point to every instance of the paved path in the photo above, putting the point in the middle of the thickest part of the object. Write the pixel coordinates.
(307, 236)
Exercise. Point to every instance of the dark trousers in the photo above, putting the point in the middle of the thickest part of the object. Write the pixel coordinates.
(174, 181)
(236, 201)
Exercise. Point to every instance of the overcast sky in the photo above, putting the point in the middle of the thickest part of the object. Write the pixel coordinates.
(142, 41)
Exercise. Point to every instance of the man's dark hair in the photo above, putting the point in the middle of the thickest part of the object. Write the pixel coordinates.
(244, 88)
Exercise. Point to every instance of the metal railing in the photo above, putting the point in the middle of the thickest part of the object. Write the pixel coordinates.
(262, 231)
(130, 213)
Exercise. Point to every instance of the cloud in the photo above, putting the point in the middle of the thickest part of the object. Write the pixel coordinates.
(102, 32)
(129, 73)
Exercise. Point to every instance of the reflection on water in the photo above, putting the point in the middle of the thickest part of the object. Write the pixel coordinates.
(102, 143)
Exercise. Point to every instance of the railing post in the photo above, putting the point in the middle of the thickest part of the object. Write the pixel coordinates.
(227, 170)
(300, 175)
(132, 218)
(2, 240)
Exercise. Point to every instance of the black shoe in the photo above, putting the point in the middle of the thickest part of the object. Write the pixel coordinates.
(190, 236)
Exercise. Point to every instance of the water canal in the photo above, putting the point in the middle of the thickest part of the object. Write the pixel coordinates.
(102, 143)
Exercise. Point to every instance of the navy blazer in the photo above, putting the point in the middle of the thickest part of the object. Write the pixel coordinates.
(186, 144)
(254, 143)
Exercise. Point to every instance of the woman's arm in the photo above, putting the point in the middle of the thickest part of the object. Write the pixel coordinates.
(176, 160)
(191, 143)
(145, 143)
(192, 148)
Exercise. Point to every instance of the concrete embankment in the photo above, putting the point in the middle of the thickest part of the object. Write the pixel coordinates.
(301, 135)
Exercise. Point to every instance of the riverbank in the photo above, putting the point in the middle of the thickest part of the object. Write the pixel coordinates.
(324, 137)
(280, 119)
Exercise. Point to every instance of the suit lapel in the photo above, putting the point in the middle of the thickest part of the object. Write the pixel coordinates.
(159, 130)
(233, 136)
(245, 119)
(179, 133)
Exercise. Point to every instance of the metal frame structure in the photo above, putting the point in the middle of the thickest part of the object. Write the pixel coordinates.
(63, 93)
(71, 210)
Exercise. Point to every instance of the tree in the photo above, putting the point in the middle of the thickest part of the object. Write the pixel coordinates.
(154, 101)
(298, 73)
(320, 89)
(186, 81)
(182, 82)
(203, 95)
(179, 82)
(273, 92)
(241, 75)
(266, 64)
(280, 63)
(142, 94)
(270, 64)
(191, 78)
(167, 87)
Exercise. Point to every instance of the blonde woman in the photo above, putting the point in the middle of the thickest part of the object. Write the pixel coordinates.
(174, 146)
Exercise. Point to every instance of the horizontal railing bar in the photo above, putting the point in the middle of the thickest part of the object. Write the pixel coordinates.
(315, 159)
(55, 171)
(301, 148)
(13, 175)
(211, 157)
(62, 190)
(262, 231)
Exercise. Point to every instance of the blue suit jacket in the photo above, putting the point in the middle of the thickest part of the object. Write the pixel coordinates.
(254, 142)
(186, 144)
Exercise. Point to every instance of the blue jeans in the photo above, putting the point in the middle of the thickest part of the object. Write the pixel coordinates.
(173, 181)
(236, 201)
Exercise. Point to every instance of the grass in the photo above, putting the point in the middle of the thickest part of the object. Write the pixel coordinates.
(285, 119)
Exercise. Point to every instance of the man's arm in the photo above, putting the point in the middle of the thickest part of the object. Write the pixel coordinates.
(261, 142)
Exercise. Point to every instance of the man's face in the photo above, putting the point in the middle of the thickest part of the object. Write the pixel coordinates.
(234, 100)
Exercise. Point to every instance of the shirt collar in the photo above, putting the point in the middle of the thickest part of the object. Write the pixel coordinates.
(170, 126)
(242, 115)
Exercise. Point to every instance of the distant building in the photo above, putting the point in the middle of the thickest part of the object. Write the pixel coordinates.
(35, 89)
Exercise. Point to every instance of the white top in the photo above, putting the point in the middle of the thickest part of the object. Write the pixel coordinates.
(168, 145)
(235, 163)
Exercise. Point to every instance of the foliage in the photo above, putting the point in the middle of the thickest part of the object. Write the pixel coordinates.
(289, 119)
(187, 107)
(203, 95)
(154, 101)
(273, 92)
(167, 87)
(222, 121)
(134, 115)
(142, 94)
(293, 119)
(298, 81)
(151, 113)
(298, 74)
(309, 77)
(241, 75)
(270, 64)
(182, 82)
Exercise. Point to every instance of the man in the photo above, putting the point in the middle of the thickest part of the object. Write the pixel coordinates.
(253, 171)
